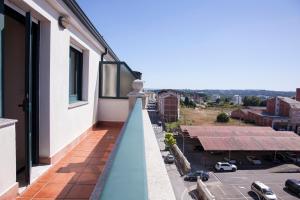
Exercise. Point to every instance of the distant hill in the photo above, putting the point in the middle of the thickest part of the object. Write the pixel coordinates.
(269, 93)
(251, 92)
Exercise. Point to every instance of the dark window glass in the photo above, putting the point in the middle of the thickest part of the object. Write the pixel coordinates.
(75, 75)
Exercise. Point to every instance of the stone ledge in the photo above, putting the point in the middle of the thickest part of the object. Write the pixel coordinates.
(7, 122)
(159, 185)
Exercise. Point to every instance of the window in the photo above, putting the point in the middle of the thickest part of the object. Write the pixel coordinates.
(75, 75)
(116, 79)
(126, 79)
(109, 80)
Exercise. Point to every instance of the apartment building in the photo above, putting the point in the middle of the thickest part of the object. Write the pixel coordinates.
(168, 105)
(60, 81)
(280, 113)
(237, 100)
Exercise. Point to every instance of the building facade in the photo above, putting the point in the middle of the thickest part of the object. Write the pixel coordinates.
(168, 105)
(59, 79)
(237, 100)
(281, 113)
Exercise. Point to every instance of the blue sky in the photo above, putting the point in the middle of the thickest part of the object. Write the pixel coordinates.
(204, 44)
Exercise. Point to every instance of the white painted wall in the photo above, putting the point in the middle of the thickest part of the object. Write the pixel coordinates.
(113, 110)
(8, 158)
(60, 125)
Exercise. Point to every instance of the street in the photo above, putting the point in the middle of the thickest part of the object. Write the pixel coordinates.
(183, 190)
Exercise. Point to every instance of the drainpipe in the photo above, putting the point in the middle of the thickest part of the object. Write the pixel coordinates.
(103, 54)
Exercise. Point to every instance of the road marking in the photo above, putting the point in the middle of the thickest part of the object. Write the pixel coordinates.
(221, 190)
(237, 177)
(239, 192)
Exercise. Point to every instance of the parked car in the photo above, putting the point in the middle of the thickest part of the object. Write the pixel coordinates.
(254, 160)
(198, 148)
(192, 176)
(225, 166)
(271, 158)
(231, 161)
(169, 159)
(293, 157)
(263, 191)
(282, 157)
(293, 185)
(216, 152)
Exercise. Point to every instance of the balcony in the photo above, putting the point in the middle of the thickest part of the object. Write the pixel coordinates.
(111, 163)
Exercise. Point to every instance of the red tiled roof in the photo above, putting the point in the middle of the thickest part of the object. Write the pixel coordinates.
(237, 138)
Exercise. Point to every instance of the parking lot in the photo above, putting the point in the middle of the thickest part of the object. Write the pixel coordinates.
(236, 185)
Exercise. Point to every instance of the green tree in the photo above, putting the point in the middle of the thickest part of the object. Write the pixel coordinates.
(223, 118)
(170, 127)
(186, 101)
(169, 139)
(251, 101)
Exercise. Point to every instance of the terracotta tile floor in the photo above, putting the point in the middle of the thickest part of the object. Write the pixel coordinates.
(75, 175)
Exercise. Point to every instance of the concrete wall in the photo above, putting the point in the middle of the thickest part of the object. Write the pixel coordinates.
(203, 191)
(115, 110)
(8, 158)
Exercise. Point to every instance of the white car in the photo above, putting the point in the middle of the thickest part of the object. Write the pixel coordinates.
(254, 160)
(293, 157)
(231, 161)
(225, 166)
(263, 191)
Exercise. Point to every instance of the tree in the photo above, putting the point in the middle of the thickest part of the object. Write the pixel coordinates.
(169, 139)
(192, 104)
(223, 118)
(186, 101)
(263, 103)
(251, 101)
(170, 127)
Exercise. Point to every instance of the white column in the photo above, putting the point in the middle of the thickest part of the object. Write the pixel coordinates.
(137, 92)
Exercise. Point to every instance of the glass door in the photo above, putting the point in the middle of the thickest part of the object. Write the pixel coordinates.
(27, 103)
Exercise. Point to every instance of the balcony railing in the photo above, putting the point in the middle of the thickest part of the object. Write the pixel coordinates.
(125, 175)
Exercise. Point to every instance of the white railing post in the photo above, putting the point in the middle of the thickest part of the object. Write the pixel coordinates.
(137, 92)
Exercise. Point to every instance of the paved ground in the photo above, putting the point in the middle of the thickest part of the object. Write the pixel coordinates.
(183, 190)
(225, 186)
(236, 185)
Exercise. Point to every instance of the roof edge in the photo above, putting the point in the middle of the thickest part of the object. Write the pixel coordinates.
(79, 13)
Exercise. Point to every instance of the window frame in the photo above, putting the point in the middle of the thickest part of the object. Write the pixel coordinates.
(118, 78)
(73, 98)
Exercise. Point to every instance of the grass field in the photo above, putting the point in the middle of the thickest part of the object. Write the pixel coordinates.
(207, 116)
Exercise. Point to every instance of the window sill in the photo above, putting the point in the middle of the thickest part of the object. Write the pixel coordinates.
(7, 122)
(77, 104)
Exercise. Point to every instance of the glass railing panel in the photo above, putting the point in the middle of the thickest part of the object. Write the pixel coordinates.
(125, 173)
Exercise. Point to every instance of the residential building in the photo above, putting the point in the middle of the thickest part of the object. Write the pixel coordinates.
(237, 100)
(215, 97)
(168, 105)
(63, 102)
(151, 96)
(298, 94)
(280, 113)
